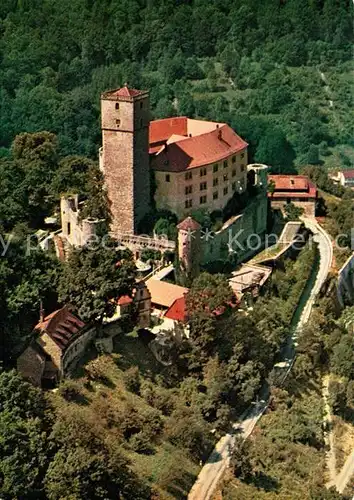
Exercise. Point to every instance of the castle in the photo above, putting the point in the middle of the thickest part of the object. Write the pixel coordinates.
(178, 164)
(196, 163)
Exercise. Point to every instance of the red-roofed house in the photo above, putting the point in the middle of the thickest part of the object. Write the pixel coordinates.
(197, 164)
(177, 311)
(60, 339)
(296, 189)
(140, 302)
(346, 178)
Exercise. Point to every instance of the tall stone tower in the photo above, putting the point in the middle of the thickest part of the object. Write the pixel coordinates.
(189, 248)
(124, 158)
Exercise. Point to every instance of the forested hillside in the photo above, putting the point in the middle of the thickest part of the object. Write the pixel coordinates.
(277, 70)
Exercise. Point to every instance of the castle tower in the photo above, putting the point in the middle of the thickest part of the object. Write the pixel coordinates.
(189, 247)
(124, 158)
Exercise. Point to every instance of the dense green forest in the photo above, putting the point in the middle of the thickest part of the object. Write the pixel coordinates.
(256, 65)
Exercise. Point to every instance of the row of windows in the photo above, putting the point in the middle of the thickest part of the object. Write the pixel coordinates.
(203, 199)
(203, 171)
(203, 186)
(141, 105)
(215, 181)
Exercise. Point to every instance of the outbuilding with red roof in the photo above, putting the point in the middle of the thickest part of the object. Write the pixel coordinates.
(296, 189)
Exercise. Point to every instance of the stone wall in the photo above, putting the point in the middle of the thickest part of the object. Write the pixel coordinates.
(76, 231)
(308, 206)
(76, 349)
(237, 232)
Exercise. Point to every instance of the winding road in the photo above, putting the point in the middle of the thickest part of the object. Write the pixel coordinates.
(219, 459)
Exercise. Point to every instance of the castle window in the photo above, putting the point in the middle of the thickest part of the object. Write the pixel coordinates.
(188, 176)
(117, 105)
(203, 171)
(188, 203)
(188, 189)
(242, 155)
(141, 122)
(215, 168)
(203, 186)
(118, 123)
(203, 200)
(225, 164)
(215, 182)
(225, 177)
(69, 228)
(234, 159)
(167, 177)
(234, 186)
(226, 190)
(233, 173)
(242, 168)
(215, 195)
(141, 104)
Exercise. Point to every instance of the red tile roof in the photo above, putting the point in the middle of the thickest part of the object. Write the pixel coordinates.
(125, 92)
(189, 223)
(292, 186)
(178, 311)
(199, 150)
(163, 294)
(61, 326)
(124, 300)
(161, 130)
(348, 174)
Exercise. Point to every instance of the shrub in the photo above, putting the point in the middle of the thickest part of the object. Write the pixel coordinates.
(70, 390)
(159, 398)
(141, 443)
(131, 378)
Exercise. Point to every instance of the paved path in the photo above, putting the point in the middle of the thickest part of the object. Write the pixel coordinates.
(345, 474)
(328, 434)
(219, 459)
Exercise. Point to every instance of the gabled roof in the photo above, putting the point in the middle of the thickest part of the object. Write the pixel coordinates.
(348, 174)
(177, 311)
(124, 300)
(163, 293)
(61, 326)
(161, 130)
(202, 149)
(298, 186)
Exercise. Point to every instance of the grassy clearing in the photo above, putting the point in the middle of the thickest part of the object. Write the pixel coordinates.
(109, 407)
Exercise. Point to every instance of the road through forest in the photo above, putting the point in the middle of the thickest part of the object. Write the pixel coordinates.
(214, 468)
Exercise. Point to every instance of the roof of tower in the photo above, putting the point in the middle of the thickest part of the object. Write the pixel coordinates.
(189, 224)
(124, 91)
